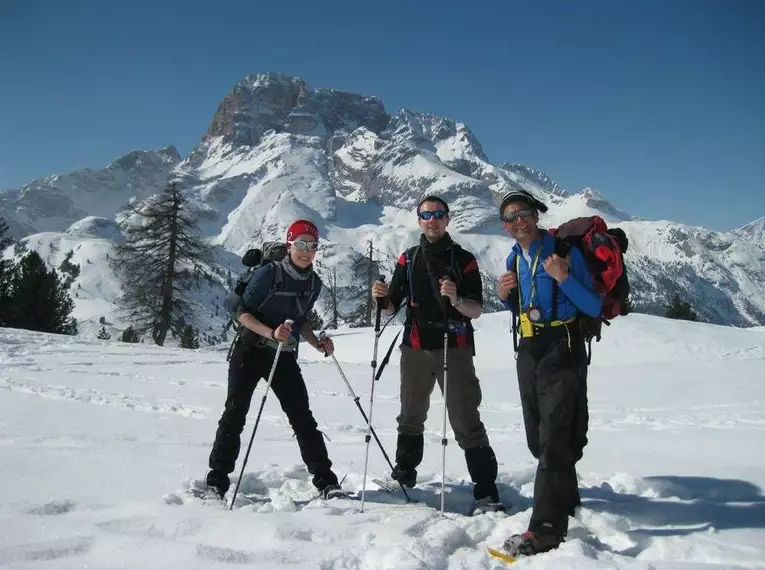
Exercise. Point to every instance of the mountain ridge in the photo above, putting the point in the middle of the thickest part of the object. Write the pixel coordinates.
(276, 149)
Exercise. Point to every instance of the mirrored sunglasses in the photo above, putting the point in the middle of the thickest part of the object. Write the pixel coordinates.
(302, 245)
(437, 214)
(511, 217)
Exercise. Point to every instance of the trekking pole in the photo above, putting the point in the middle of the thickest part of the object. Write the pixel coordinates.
(288, 322)
(322, 336)
(445, 301)
(368, 436)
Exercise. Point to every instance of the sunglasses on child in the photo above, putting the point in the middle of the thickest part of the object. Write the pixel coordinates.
(302, 245)
(438, 214)
(511, 217)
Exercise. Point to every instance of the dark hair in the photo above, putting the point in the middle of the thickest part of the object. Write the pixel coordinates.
(432, 198)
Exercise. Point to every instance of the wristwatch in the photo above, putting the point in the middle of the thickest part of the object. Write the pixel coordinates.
(459, 302)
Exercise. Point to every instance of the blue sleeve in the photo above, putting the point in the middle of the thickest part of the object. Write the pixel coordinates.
(509, 263)
(578, 286)
(258, 287)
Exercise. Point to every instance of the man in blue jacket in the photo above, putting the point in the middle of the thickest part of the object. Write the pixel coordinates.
(548, 293)
(276, 292)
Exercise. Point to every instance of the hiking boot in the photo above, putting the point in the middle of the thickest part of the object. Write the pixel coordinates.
(218, 483)
(407, 477)
(487, 505)
(333, 492)
(530, 543)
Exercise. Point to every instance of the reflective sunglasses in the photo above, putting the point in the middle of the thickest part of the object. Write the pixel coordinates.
(511, 217)
(302, 245)
(437, 214)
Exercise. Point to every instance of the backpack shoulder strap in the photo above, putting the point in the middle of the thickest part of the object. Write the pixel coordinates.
(276, 283)
(410, 255)
(562, 247)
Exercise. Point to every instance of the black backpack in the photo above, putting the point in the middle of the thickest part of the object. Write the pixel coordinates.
(271, 252)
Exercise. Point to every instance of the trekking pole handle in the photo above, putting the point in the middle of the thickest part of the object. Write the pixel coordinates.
(323, 336)
(444, 298)
(289, 323)
(382, 302)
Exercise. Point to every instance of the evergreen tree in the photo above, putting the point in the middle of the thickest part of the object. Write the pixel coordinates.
(157, 264)
(317, 323)
(72, 270)
(6, 278)
(129, 335)
(358, 294)
(679, 309)
(40, 298)
(103, 335)
(189, 337)
(331, 297)
(5, 241)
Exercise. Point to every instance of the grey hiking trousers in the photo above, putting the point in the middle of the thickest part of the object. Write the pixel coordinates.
(420, 369)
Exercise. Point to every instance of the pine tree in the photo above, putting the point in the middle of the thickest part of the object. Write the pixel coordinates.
(363, 272)
(103, 335)
(317, 323)
(72, 270)
(40, 298)
(679, 309)
(157, 264)
(6, 278)
(189, 337)
(129, 335)
(331, 297)
(5, 241)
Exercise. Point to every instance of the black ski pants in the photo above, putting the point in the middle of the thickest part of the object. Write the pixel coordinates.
(552, 377)
(247, 366)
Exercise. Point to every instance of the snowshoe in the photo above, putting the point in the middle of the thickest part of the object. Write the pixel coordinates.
(333, 492)
(486, 505)
(530, 543)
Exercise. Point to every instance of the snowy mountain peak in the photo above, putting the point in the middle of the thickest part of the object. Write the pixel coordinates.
(282, 103)
(754, 231)
(536, 177)
(451, 140)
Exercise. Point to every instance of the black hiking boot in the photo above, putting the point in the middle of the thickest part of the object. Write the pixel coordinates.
(333, 492)
(218, 483)
(530, 543)
(407, 477)
(487, 505)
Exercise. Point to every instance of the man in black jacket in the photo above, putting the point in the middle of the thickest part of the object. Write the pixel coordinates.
(439, 268)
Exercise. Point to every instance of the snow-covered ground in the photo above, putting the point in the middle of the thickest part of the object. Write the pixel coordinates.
(98, 441)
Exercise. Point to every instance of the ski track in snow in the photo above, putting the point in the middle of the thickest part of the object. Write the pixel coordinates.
(677, 510)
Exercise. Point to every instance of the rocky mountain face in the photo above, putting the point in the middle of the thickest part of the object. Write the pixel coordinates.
(277, 149)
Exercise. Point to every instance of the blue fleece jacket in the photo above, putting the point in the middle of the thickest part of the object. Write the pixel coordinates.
(575, 294)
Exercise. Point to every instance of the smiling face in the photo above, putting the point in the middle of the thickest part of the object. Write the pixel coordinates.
(520, 221)
(434, 228)
(302, 258)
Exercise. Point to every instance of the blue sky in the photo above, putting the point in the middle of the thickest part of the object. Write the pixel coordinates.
(656, 103)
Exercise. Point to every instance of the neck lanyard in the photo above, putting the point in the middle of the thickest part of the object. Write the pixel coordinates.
(533, 282)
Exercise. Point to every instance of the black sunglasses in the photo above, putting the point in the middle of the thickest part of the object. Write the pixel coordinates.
(511, 217)
(437, 214)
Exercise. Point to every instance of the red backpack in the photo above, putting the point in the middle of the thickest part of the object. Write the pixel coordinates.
(603, 249)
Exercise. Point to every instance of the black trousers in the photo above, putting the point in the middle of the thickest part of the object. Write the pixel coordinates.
(552, 377)
(247, 366)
